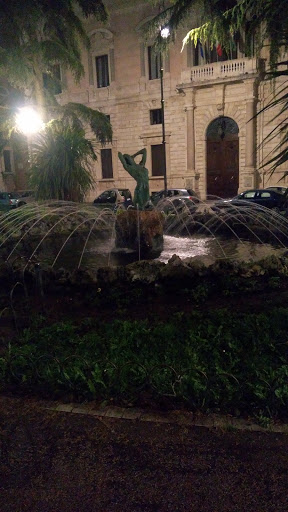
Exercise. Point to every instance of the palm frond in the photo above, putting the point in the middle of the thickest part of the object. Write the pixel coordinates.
(48, 31)
(93, 8)
(81, 115)
(217, 21)
(261, 20)
(62, 163)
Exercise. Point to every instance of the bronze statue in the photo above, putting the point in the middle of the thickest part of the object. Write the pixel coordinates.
(140, 174)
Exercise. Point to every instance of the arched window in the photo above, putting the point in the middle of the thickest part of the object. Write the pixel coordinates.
(221, 128)
(101, 58)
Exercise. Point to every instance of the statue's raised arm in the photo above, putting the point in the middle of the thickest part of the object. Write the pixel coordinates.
(142, 152)
(140, 174)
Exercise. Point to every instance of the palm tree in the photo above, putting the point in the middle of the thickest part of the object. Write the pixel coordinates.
(50, 33)
(62, 159)
(218, 20)
(47, 33)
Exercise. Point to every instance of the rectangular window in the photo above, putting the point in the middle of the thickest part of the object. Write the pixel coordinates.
(157, 157)
(189, 54)
(7, 160)
(102, 71)
(197, 50)
(203, 53)
(156, 116)
(153, 63)
(195, 54)
(219, 54)
(106, 163)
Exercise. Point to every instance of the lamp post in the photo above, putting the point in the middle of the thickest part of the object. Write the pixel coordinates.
(164, 34)
(29, 122)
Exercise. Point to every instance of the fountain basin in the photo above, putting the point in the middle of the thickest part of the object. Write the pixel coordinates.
(140, 231)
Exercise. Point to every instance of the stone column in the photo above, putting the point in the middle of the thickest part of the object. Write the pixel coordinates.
(190, 139)
(189, 109)
(250, 143)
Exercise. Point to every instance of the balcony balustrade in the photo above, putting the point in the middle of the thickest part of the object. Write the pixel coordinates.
(220, 70)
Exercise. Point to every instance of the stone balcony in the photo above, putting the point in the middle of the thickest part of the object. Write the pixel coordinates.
(218, 71)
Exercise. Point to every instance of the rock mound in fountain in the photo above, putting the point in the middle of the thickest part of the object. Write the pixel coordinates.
(140, 230)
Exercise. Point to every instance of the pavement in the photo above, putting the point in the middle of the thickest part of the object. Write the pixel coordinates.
(57, 457)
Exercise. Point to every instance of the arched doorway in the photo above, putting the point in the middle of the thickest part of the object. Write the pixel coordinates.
(222, 157)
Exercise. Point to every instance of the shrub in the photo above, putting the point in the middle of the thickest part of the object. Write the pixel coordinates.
(210, 361)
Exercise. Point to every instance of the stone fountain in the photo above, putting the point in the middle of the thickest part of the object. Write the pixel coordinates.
(74, 236)
(140, 229)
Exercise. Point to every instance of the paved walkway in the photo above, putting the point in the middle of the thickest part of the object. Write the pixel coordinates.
(72, 458)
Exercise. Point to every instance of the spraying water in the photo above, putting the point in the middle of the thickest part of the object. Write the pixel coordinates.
(71, 235)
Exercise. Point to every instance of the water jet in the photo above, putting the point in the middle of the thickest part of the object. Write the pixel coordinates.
(60, 234)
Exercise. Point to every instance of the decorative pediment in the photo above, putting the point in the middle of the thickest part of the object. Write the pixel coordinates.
(153, 104)
(101, 38)
(141, 30)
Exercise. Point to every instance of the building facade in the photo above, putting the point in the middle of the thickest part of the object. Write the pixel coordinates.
(213, 141)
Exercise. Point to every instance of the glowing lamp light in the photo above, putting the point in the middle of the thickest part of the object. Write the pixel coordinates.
(165, 32)
(28, 121)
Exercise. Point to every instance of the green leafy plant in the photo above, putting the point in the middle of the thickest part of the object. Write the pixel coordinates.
(209, 360)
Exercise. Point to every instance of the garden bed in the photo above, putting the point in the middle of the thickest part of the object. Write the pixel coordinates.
(204, 337)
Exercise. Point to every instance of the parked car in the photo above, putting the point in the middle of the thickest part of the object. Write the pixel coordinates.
(9, 200)
(177, 204)
(26, 197)
(281, 190)
(262, 197)
(173, 193)
(113, 198)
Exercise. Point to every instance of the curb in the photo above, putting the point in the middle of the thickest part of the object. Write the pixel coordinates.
(177, 417)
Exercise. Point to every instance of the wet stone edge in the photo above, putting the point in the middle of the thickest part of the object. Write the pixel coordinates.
(173, 417)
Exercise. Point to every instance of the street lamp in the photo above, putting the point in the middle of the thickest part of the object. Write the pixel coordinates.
(164, 32)
(29, 122)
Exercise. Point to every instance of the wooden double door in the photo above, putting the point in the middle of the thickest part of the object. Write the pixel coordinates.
(223, 166)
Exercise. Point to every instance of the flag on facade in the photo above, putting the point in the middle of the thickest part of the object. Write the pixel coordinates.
(201, 51)
(219, 49)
